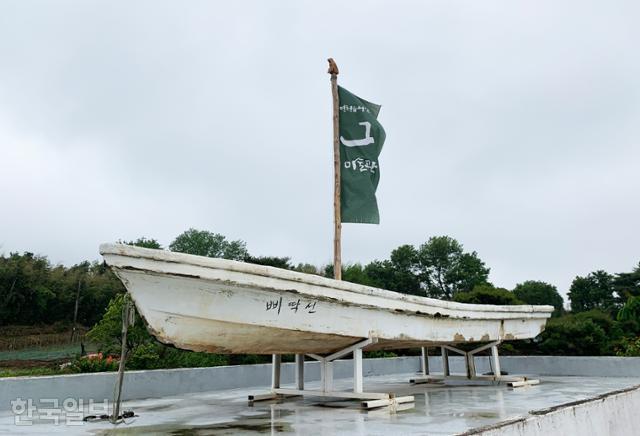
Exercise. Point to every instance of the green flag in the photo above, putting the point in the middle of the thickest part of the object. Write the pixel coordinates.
(361, 140)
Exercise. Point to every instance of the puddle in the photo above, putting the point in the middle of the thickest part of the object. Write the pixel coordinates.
(256, 424)
(233, 428)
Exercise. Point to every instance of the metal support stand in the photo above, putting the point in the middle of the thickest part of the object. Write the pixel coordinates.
(424, 362)
(276, 363)
(326, 380)
(445, 361)
(300, 371)
(128, 319)
(470, 366)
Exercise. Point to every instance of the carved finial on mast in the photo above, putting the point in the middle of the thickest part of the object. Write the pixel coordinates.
(333, 68)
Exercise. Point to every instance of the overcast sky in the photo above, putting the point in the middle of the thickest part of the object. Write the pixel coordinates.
(511, 126)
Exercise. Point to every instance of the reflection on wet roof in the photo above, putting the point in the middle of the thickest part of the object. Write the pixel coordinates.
(438, 409)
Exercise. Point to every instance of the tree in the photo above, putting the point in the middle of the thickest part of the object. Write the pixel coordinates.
(278, 262)
(107, 333)
(307, 268)
(144, 351)
(594, 291)
(445, 269)
(144, 243)
(536, 292)
(205, 243)
(572, 336)
(355, 273)
(627, 284)
(397, 274)
(629, 347)
(631, 310)
(487, 294)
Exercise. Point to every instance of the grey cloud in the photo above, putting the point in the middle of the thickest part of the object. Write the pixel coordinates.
(511, 127)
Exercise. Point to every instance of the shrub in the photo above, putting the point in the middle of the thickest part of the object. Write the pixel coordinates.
(574, 336)
(487, 294)
(631, 310)
(629, 347)
(94, 363)
(107, 333)
(144, 356)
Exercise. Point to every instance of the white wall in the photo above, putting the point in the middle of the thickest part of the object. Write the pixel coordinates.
(612, 414)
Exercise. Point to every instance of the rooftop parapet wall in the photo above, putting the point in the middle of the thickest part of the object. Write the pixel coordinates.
(167, 382)
(615, 413)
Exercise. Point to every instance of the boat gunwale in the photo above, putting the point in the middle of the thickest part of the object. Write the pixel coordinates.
(310, 279)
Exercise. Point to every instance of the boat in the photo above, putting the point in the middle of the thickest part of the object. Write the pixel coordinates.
(230, 307)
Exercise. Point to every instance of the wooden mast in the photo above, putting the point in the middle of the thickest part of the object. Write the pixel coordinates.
(337, 221)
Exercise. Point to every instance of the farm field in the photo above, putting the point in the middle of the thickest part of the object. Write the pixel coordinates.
(38, 350)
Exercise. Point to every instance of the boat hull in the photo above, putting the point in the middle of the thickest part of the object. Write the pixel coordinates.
(229, 307)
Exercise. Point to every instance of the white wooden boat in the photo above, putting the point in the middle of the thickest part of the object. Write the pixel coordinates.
(224, 306)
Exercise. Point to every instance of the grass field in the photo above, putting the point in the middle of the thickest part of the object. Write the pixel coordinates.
(15, 337)
(54, 352)
(37, 361)
(26, 372)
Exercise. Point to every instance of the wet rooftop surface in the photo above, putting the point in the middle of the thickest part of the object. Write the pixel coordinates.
(438, 410)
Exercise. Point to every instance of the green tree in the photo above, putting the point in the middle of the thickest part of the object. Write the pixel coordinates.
(606, 322)
(100, 285)
(571, 336)
(631, 310)
(399, 273)
(25, 291)
(445, 269)
(107, 333)
(278, 262)
(144, 351)
(541, 293)
(594, 291)
(355, 273)
(144, 243)
(486, 293)
(307, 268)
(629, 347)
(205, 243)
(627, 284)
(403, 263)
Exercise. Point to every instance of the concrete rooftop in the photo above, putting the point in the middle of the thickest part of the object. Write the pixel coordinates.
(439, 409)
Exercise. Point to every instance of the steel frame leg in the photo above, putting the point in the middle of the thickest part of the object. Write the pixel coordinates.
(471, 374)
(445, 361)
(470, 365)
(496, 361)
(373, 399)
(424, 362)
(276, 360)
(326, 375)
(357, 370)
(326, 365)
(300, 371)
